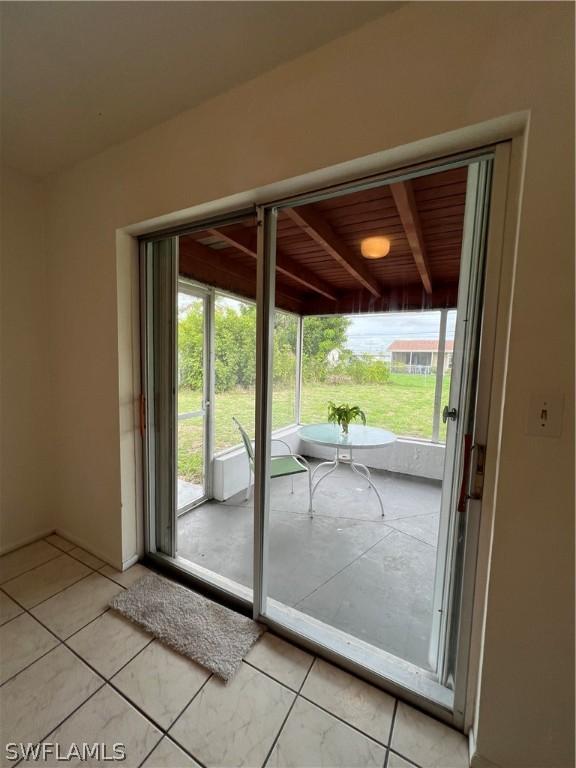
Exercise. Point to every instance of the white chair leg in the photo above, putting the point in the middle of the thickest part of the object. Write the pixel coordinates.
(292, 481)
(310, 510)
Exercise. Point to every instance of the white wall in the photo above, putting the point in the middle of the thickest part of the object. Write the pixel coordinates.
(25, 402)
(409, 457)
(427, 69)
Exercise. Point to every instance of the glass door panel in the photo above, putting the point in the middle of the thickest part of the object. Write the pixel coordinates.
(358, 488)
(283, 334)
(216, 401)
(192, 402)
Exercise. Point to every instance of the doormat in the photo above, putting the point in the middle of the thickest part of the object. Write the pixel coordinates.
(206, 632)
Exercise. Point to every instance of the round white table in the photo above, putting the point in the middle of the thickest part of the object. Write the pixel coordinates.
(358, 436)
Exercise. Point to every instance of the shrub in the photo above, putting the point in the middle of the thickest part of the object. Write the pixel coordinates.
(365, 370)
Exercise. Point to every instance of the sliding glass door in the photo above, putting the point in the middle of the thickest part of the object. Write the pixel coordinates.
(194, 399)
(311, 386)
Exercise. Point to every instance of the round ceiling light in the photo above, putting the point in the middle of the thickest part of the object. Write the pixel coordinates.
(375, 247)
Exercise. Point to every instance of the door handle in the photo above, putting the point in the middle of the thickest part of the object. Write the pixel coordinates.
(449, 413)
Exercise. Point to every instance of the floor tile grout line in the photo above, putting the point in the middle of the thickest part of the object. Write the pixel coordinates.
(166, 732)
(68, 716)
(63, 589)
(63, 640)
(108, 680)
(77, 631)
(113, 686)
(103, 678)
(110, 578)
(82, 561)
(27, 666)
(275, 679)
(296, 697)
(172, 737)
(162, 737)
(341, 719)
(73, 651)
(391, 750)
(34, 567)
(390, 733)
(60, 537)
(60, 553)
(342, 569)
(409, 760)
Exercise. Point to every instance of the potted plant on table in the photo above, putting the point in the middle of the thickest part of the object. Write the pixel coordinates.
(344, 414)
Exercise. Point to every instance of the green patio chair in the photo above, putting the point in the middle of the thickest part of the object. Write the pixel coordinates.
(286, 465)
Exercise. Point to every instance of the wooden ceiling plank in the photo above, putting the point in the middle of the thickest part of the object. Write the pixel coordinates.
(321, 232)
(395, 298)
(199, 262)
(241, 238)
(403, 195)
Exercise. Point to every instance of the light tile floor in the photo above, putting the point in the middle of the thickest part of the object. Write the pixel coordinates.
(72, 671)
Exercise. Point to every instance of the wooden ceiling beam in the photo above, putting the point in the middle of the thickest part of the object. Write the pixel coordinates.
(403, 195)
(316, 226)
(242, 239)
(207, 265)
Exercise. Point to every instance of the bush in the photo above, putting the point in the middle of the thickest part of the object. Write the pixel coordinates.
(366, 370)
(235, 347)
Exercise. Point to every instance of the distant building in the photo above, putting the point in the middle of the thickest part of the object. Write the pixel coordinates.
(418, 355)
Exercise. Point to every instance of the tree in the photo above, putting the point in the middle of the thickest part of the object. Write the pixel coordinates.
(320, 336)
(235, 347)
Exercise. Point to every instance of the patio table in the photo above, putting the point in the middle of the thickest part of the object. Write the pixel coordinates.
(358, 436)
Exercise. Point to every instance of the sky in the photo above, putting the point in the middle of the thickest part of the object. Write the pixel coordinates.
(374, 333)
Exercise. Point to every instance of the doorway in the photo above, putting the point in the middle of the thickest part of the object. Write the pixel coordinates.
(194, 407)
(361, 548)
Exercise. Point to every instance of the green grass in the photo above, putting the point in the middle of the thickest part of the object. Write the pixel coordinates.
(404, 405)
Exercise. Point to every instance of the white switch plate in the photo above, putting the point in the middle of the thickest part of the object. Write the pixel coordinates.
(545, 412)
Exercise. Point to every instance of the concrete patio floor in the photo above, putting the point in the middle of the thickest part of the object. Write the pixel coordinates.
(370, 577)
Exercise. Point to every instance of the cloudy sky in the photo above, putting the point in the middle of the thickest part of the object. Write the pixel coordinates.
(373, 333)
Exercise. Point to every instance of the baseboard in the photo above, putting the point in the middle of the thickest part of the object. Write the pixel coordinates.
(83, 545)
(4, 550)
(476, 760)
(79, 543)
(130, 561)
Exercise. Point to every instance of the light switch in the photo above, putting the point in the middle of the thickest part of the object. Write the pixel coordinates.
(545, 412)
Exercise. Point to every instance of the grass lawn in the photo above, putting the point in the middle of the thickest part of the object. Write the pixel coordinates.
(404, 405)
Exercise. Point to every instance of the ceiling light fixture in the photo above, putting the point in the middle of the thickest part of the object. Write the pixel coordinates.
(375, 247)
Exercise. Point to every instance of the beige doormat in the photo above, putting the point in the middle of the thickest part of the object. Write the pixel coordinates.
(214, 636)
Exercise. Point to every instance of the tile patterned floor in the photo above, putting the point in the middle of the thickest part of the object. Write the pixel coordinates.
(72, 671)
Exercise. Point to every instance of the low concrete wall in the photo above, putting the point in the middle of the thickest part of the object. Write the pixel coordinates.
(406, 456)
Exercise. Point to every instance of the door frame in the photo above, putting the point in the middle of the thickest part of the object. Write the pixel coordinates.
(192, 288)
(492, 358)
